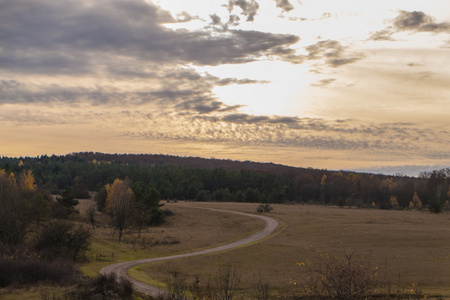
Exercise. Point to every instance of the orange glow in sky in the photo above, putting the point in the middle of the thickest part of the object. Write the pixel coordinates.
(359, 85)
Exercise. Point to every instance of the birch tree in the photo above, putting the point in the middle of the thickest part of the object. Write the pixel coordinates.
(119, 203)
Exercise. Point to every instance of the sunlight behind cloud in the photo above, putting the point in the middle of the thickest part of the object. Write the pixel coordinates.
(285, 93)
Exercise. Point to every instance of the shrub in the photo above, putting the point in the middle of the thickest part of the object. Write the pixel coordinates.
(264, 208)
(63, 239)
(100, 287)
(20, 271)
(435, 206)
(261, 287)
(176, 283)
(330, 277)
(227, 281)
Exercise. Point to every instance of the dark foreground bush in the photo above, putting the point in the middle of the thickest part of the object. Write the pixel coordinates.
(63, 239)
(100, 287)
(20, 271)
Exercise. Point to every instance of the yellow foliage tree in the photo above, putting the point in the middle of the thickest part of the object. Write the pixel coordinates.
(393, 202)
(27, 181)
(119, 203)
(415, 202)
(324, 179)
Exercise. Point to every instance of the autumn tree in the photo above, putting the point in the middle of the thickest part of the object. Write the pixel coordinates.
(119, 203)
(27, 182)
(16, 213)
(415, 202)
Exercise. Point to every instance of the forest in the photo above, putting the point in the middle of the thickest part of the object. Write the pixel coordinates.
(196, 179)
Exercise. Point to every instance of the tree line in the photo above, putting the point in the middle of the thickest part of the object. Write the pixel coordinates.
(89, 172)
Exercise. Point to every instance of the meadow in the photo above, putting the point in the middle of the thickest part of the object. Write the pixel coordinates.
(410, 248)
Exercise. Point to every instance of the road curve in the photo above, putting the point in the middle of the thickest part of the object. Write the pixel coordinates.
(120, 269)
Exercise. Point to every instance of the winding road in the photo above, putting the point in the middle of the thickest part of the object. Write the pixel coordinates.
(120, 269)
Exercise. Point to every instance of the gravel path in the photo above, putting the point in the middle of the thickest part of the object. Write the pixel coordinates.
(120, 269)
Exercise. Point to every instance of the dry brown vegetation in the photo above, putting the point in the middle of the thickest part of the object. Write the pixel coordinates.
(409, 247)
(187, 230)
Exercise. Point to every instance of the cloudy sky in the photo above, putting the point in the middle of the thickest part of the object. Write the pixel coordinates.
(349, 84)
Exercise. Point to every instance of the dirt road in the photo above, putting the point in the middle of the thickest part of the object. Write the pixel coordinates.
(120, 269)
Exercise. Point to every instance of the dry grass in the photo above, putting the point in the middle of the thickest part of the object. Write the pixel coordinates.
(188, 230)
(414, 244)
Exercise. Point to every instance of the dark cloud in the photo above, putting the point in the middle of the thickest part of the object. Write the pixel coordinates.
(417, 20)
(215, 19)
(249, 8)
(285, 5)
(207, 108)
(410, 21)
(13, 91)
(327, 48)
(337, 62)
(333, 52)
(183, 87)
(233, 20)
(85, 37)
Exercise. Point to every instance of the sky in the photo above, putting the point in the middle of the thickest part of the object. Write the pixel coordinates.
(338, 85)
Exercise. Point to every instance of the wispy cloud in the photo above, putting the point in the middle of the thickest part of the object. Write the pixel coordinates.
(324, 82)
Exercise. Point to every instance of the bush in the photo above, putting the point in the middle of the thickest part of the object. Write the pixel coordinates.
(264, 208)
(20, 271)
(435, 206)
(330, 277)
(63, 239)
(104, 287)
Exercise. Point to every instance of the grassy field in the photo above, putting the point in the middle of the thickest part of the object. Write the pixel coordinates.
(188, 230)
(408, 246)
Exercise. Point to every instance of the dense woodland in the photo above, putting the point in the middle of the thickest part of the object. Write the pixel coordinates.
(187, 178)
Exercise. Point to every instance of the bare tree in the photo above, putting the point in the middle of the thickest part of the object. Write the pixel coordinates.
(227, 281)
(260, 287)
